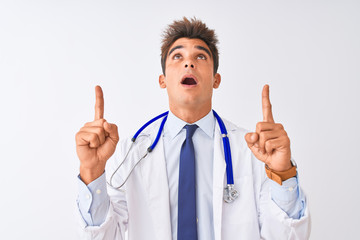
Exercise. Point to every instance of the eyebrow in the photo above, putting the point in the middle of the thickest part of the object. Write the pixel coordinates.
(204, 49)
(198, 47)
(174, 48)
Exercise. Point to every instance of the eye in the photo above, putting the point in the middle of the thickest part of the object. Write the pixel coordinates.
(177, 56)
(201, 56)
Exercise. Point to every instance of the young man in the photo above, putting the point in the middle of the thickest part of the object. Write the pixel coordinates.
(177, 190)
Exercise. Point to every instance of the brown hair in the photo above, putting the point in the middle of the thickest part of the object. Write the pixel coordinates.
(186, 28)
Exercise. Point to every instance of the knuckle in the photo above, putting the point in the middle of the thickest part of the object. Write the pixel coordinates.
(96, 123)
(282, 132)
(263, 135)
(261, 144)
(89, 124)
(287, 140)
(115, 130)
(93, 137)
(100, 131)
(271, 145)
(258, 126)
(280, 126)
(99, 122)
(267, 104)
(77, 136)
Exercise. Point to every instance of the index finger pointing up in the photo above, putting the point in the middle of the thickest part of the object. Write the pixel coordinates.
(266, 105)
(99, 103)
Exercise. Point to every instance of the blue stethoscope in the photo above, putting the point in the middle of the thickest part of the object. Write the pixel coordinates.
(230, 194)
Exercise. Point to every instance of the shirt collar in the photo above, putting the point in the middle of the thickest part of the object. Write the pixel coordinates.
(174, 124)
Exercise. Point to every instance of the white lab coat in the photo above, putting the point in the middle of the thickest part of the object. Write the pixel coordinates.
(142, 206)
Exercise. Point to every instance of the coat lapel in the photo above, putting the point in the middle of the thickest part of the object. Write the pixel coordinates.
(219, 172)
(153, 170)
(219, 176)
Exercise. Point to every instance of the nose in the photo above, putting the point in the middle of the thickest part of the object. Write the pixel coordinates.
(189, 65)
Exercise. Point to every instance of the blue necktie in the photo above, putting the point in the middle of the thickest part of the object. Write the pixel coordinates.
(187, 224)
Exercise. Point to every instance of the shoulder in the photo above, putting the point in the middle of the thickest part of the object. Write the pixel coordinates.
(147, 135)
(234, 129)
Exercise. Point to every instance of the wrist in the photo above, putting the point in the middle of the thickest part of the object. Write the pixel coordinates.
(88, 175)
(280, 176)
(280, 168)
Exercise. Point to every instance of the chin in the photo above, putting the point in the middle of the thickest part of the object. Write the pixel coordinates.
(192, 102)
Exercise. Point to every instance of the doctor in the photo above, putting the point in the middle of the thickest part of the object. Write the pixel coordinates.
(176, 192)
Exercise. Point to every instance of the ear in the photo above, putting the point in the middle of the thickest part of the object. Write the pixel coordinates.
(217, 81)
(162, 83)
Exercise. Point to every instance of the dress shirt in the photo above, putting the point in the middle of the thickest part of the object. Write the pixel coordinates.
(93, 200)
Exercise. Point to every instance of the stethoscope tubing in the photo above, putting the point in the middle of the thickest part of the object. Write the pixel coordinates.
(227, 150)
(147, 124)
(226, 143)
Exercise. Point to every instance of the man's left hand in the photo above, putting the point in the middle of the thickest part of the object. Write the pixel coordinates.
(270, 143)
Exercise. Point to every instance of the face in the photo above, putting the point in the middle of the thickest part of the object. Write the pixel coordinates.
(189, 74)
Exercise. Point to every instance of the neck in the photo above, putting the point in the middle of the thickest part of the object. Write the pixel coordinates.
(190, 114)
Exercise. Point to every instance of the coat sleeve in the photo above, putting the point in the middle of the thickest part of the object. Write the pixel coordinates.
(116, 221)
(274, 222)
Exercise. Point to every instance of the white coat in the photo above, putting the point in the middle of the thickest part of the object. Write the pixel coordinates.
(142, 206)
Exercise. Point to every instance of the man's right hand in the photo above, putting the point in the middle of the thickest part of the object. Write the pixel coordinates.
(96, 142)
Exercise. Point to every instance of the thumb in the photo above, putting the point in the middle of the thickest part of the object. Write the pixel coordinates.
(112, 130)
(251, 139)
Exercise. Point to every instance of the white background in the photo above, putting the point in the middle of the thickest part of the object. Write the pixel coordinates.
(53, 53)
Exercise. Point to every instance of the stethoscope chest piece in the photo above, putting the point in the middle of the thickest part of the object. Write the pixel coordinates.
(230, 193)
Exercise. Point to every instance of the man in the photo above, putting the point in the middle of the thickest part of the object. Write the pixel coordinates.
(176, 191)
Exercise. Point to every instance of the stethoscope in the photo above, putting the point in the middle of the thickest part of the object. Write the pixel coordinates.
(230, 193)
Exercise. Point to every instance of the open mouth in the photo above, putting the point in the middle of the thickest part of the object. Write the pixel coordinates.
(189, 80)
